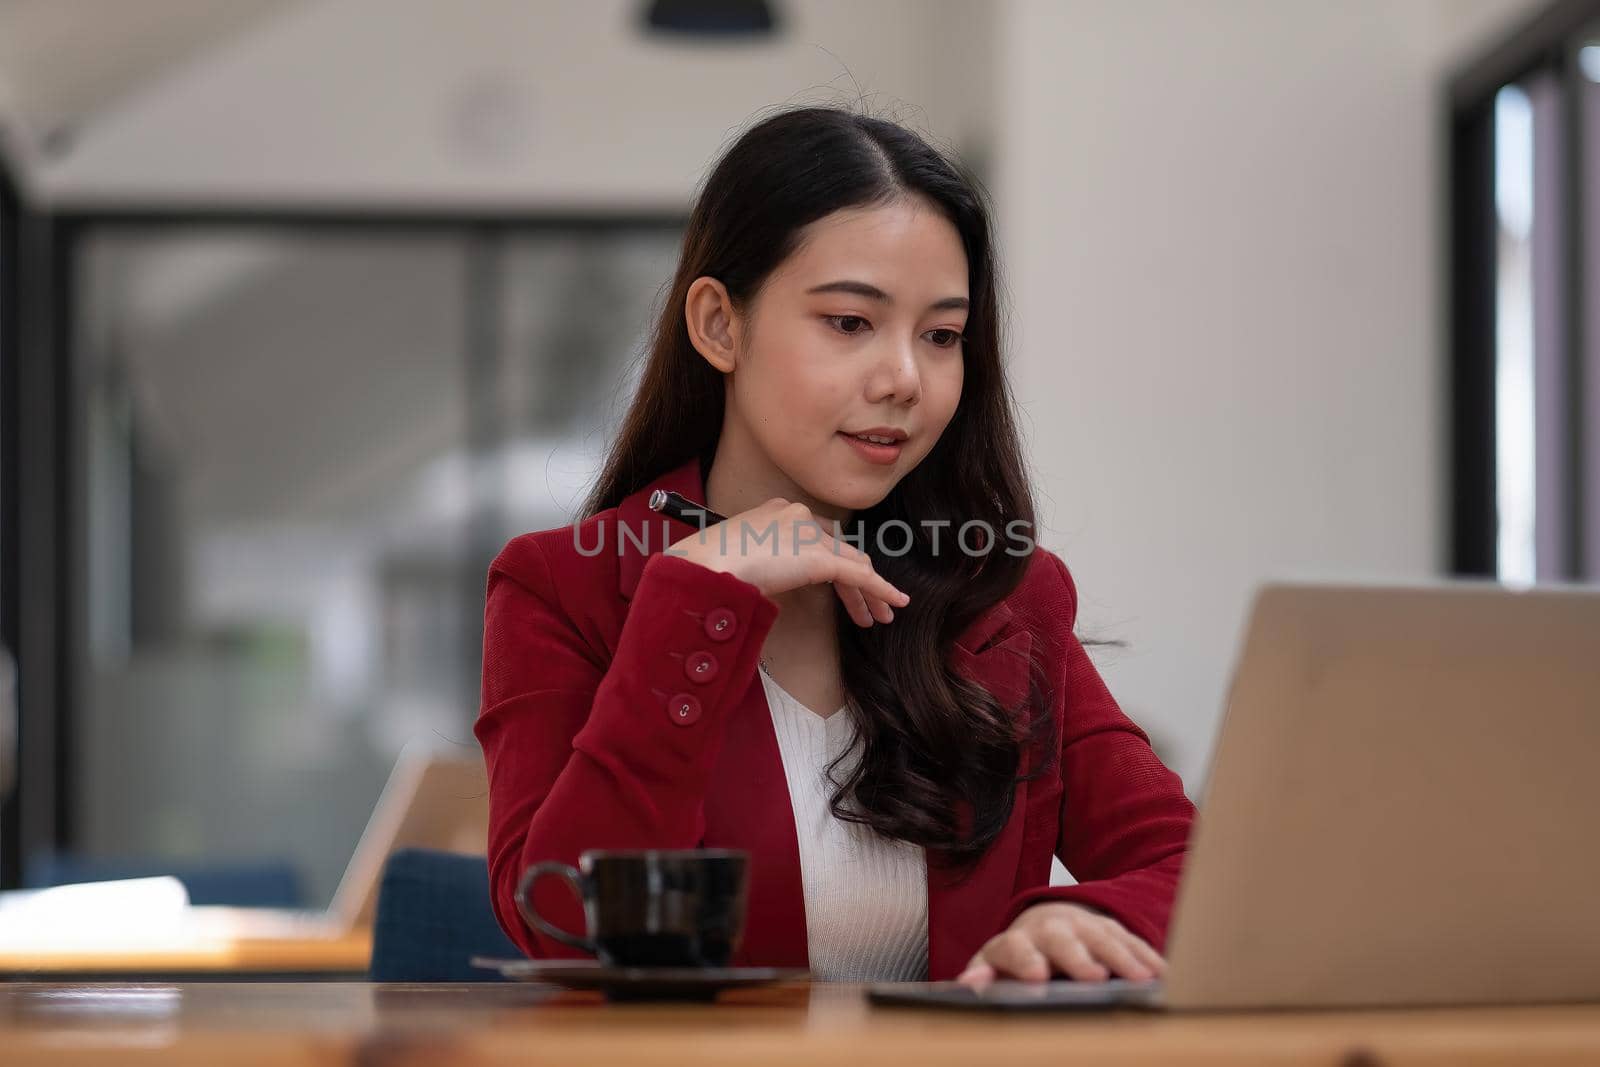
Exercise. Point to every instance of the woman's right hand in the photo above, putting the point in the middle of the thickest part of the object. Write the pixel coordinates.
(778, 546)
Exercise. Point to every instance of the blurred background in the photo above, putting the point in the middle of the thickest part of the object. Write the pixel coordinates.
(306, 306)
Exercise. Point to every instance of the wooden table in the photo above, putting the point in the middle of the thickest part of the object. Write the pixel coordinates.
(347, 956)
(356, 1023)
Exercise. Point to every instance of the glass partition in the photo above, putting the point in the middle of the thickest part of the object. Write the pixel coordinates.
(299, 447)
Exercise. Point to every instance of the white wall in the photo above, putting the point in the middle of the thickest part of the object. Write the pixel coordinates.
(61, 61)
(1221, 223)
(527, 105)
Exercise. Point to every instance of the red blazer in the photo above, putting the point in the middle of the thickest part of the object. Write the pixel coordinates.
(622, 709)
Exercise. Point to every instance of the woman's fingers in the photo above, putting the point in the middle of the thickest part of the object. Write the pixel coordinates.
(1070, 953)
(1014, 954)
(859, 586)
(876, 585)
(880, 611)
(867, 596)
(1137, 949)
(854, 603)
(1085, 949)
(863, 609)
(1114, 952)
(1149, 956)
(977, 975)
(858, 568)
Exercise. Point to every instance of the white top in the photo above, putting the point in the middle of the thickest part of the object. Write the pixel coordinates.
(866, 896)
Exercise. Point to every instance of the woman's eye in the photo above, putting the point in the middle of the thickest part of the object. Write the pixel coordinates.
(840, 320)
(850, 325)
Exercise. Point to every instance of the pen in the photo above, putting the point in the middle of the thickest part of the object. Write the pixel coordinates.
(683, 509)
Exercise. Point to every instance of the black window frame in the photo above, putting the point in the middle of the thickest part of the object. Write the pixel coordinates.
(1548, 40)
(10, 341)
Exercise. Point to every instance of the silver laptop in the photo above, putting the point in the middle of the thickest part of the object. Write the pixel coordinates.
(1401, 811)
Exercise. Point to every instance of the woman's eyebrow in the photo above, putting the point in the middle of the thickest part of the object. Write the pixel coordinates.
(872, 292)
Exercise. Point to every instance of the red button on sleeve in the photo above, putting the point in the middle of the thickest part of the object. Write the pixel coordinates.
(684, 709)
(721, 624)
(701, 667)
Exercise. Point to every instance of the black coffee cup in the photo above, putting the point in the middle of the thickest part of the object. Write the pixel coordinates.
(651, 907)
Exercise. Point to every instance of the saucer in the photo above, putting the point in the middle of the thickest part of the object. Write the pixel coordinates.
(641, 983)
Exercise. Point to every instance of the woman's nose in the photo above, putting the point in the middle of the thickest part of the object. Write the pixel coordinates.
(899, 377)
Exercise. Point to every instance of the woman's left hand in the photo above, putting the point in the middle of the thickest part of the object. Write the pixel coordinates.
(1056, 935)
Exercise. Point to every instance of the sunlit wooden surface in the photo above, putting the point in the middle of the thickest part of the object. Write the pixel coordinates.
(344, 955)
(354, 1023)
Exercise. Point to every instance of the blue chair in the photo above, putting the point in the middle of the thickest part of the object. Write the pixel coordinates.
(433, 916)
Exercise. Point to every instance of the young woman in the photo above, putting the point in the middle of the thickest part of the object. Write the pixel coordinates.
(867, 676)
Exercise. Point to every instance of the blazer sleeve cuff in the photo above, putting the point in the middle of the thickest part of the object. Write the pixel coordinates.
(689, 647)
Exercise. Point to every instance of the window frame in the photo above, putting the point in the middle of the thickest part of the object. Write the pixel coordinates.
(1548, 40)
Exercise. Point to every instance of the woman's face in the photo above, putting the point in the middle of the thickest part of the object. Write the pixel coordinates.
(859, 329)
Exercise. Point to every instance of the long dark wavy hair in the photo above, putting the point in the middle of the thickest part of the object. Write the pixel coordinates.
(931, 738)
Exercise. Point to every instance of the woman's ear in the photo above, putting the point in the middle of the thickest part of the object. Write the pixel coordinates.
(713, 325)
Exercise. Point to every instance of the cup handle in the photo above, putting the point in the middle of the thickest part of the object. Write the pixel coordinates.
(524, 898)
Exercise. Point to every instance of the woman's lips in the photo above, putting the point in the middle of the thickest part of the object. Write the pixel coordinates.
(873, 453)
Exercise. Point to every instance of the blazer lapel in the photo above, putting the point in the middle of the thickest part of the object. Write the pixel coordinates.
(748, 805)
(748, 802)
